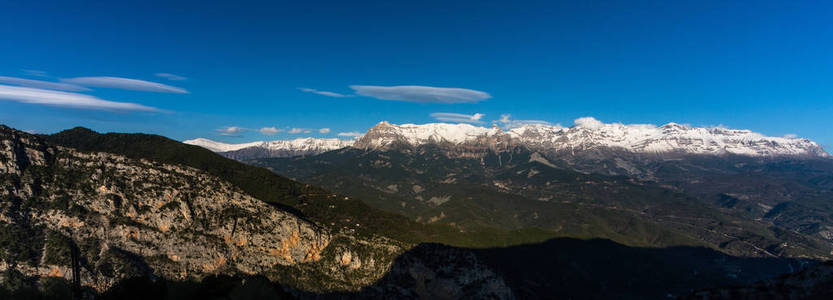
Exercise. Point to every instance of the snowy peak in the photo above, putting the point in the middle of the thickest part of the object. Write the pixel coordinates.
(385, 134)
(308, 144)
(589, 134)
(219, 146)
(276, 148)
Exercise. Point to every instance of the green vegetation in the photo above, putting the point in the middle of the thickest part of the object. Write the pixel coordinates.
(583, 206)
(58, 249)
(325, 208)
(509, 191)
(510, 228)
(21, 241)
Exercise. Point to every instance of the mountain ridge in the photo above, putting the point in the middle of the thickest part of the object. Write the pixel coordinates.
(586, 136)
(134, 180)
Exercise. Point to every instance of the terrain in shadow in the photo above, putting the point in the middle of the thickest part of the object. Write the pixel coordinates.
(562, 268)
(566, 268)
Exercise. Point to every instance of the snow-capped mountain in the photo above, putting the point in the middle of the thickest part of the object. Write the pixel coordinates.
(591, 134)
(220, 146)
(586, 135)
(386, 134)
(276, 148)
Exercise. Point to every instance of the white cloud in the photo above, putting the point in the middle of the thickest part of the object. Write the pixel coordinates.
(791, 136)
(458, 118)
(421, 94)
(324, 130)
(588, 122)
(296, 130)
(170, 76)
(125, 84)
(324, 93)
(508, 123)
(269, 130)
(350, 134)
(230, 131)
(67, 99)
(40, 84)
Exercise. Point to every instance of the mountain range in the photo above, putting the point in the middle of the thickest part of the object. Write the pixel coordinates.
(735, 190)
(414, 211)
(278, 148)
(588, 135)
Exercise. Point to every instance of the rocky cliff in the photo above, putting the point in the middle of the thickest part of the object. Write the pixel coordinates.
(139, 218)
(182, 222)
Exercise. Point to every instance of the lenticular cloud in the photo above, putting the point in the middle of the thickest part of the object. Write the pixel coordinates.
(125, 84)
(421, 94)
(66, 99)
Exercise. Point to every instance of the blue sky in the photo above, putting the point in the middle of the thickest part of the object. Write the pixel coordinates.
(765, 66)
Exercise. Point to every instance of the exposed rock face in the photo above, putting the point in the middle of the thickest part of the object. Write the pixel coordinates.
(168, 220)
(433, 271)
(140, 218)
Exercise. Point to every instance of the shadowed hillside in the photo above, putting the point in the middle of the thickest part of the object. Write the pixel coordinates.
(567, 268)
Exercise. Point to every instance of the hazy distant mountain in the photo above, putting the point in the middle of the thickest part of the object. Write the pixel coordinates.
(277, 148)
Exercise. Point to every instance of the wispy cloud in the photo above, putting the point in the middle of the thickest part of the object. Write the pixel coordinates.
(421, 94)
(508, 123)
(231, 131)
(125, 84)
(170, 76)
(458, 118)
(37, 73)
(270, 130)
(324, 130)
(350, 134)
(67, 99)
(40, 84)
(324, 93)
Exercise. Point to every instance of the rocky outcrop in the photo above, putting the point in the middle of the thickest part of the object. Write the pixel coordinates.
(432, 271)
(168, 220)
(134, 218)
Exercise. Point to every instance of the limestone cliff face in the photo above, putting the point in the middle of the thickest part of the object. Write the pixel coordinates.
(134, 217)
(168, 220)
